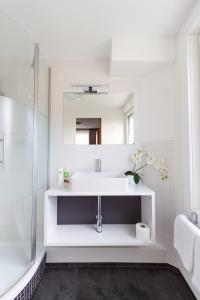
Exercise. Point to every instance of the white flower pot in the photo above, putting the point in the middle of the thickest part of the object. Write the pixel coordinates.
(130, 179)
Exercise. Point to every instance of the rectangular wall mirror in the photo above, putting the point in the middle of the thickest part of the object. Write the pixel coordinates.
(95, 119)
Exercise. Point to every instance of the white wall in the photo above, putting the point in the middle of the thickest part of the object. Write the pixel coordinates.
(140, 55)
(156, 131)
(156, 106)
(144, 49)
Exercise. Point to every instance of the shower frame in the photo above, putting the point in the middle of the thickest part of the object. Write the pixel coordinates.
(35, 65)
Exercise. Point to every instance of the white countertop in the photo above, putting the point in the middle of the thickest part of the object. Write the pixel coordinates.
(132, 190)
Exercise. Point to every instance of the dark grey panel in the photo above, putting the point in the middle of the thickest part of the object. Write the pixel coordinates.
(76, 210)
(121, 209)
(83, 210)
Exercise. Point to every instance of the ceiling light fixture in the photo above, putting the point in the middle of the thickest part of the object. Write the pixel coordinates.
(90, 89)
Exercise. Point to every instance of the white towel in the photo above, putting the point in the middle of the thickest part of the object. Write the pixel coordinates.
(196, 269)
(184, 240)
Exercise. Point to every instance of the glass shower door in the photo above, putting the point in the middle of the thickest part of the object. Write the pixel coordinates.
(16, 151)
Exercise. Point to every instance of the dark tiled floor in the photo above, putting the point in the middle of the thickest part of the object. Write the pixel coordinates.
(112, 283)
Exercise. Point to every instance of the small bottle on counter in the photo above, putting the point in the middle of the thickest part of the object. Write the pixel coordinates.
(66, 177)
(60, 177)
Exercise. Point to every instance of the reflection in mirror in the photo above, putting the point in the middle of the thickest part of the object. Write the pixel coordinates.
(95, 119)
(88, 131)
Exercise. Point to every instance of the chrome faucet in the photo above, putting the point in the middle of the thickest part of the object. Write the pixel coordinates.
(99, 216)
(98, 165)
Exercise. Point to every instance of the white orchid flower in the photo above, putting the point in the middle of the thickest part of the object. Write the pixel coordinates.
(137, 156)
(143, 159)
(150, 159)
(159, 163)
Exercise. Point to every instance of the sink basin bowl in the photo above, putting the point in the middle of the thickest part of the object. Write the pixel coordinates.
(99, 181)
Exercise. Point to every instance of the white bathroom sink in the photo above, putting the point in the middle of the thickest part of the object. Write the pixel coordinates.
(99, 181)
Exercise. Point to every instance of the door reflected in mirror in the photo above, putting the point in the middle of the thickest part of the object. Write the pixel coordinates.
(88, 131)
(95, 119)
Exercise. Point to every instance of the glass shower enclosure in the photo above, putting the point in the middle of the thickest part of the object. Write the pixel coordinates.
(23, 151)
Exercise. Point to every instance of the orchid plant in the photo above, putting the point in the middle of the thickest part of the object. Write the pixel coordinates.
(143, 159)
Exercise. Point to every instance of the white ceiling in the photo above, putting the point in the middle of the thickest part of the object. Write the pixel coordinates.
(116, 100)
(82, 29)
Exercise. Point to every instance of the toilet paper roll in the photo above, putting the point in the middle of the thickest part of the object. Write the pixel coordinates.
(143, 232)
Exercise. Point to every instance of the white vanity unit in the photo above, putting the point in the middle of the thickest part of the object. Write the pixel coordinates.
(85, 235)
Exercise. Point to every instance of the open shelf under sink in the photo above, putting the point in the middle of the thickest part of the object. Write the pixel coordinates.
(86, 235)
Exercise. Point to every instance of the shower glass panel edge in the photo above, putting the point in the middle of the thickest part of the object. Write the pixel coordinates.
(41, 150)
(35, 156)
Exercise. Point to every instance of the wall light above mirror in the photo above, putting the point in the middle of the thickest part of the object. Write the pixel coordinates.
(95, 119)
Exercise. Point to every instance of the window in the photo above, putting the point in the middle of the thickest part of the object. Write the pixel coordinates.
(130, 127)
(194, 117)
